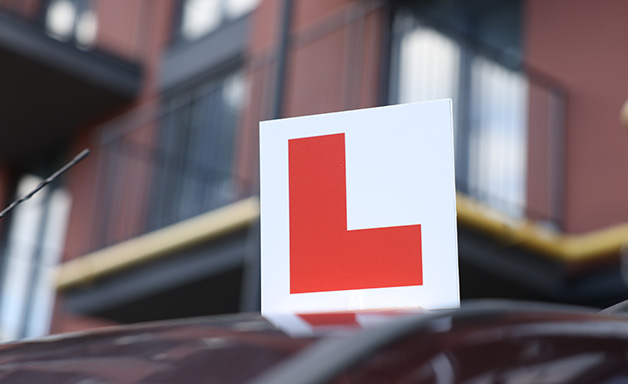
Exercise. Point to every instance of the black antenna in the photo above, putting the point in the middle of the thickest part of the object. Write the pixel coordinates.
(49, 180)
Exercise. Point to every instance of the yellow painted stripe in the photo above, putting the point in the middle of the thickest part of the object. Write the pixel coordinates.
(528, 234)
(236, 216)
(155, 244)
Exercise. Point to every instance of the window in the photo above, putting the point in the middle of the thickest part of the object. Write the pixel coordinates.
(195, 171)
(469, 50)
(199, 17)
(34, 247)
(72, 20)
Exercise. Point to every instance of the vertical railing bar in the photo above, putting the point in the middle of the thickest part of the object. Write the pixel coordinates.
(119, 210)
(557, 141)
(519, 84)
(462, 141)
(387, 64)
(109, 197)
(203, 167)
(135, 163)
(219, 130)
(392, 92)
(97, 230)
(504, 126)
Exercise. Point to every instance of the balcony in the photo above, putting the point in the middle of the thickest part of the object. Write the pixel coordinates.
(168, 182)
(509, 128)
(52, 87)
(170, 160)
(510, 137)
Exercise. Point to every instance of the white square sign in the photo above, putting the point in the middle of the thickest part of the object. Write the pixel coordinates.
(358, 210)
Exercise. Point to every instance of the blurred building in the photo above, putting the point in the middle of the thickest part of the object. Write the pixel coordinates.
(161, 221)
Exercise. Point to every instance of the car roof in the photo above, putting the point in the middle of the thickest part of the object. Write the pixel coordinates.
(249, 348)
(189, 350)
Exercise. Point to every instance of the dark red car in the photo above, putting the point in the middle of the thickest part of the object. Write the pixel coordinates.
(489, 342)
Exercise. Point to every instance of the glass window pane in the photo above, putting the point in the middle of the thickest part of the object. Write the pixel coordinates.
(34, 247)
(429, 66)
(200, 17)
(60, 19)
(20, 258)
(497, 162)
(86, 29)
(40, 316)
(237, 8)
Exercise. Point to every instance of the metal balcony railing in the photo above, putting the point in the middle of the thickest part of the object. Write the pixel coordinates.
(508, 119)
(168, 161)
